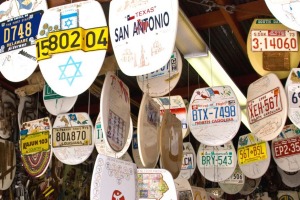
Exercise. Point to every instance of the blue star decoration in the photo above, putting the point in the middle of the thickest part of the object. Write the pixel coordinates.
(68, 23)
(65, 74)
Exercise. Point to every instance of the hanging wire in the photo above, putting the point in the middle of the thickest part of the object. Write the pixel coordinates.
(210, 4)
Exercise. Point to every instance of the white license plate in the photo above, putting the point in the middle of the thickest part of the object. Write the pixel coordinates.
(274, 40)
(72, 136)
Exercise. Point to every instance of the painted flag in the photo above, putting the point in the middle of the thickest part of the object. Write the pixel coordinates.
(25, 4)
(69, 19)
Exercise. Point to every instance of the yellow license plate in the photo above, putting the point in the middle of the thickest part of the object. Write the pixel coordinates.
(71, 40)
(35, 143)
(252, 153)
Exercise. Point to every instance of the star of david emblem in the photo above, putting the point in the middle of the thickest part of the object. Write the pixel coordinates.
(68, 23)
(67, 71)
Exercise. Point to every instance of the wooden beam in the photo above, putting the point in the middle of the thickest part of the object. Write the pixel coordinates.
(241, 13)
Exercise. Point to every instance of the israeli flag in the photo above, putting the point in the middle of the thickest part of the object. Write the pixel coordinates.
(69, 19)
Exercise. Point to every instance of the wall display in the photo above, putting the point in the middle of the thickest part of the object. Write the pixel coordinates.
(156, 184)
(55, 103)
(199, 193)
(35, 146)
(171, 148)
(290, 179)
(162, 81)
(115, 112)
(214, 193)
(144, 40)
(272, 47)
(216, 163)
(8, 112)
(253, 155)
(135, 151)
(19, 26)
(183, 189)
(8, 164)
(250, 185)
(188, 165)
(176, 106)
(292, 89)
(286, 149)
(266, 107)
(214, 110)
(287, 195)
(148, 131)
(234, 183)
(71, 46)
(72, 138)
(286, 12)
(101, 145)
(113, 179)
(74, 181)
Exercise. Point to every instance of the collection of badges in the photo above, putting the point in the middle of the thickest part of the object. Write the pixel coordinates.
(69, 44)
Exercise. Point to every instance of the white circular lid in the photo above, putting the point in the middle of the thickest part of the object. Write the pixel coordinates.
(216, 163)
(286, 149)
(113, 179)
(292, 89)
(289, 195)
(55, 103)
(77, 34)
(156, 184)
(8, 163)
(176, 106)
(101, 145)
(199, 193)
(115, 112)
(234, 183)
(183, 189)
(17, 46)
(253, 155)
(148, 130)
(164, 80)
(266, 107)
(250, 185)
(143, 34)
(272, 47)
(290, 179)
(135, 151)
(188, 161)
(286, 12)
(72, 137)
(214, 115)
(35, 146)
(171, 149)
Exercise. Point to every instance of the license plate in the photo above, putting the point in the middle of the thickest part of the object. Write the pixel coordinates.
(50, 94)
(217, 112)
(220, 158)
(294, 96)
(235, 178)
(252, 153)
(188, 161)
(287, 147)
(19, 32)
(35, 143)
(72, 136)
(71, 40)
(164, 71)
(264, 106)
(274, 40)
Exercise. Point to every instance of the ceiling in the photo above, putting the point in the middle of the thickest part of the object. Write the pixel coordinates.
(223, 25)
